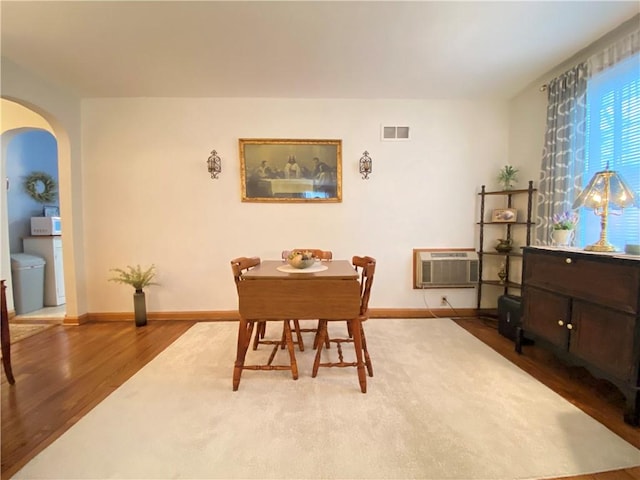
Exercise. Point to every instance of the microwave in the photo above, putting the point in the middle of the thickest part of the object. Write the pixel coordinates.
(46, 226)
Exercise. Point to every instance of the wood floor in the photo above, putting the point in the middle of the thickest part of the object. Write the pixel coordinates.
(64, 372)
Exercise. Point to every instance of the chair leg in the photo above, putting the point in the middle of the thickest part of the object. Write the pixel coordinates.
(327, 343)
(6, 363)
(357, 340)
(292, 353)
(367, 359)
(5, 336)
(322, 337)
(260, 329)
(245, 329)
(300, 342)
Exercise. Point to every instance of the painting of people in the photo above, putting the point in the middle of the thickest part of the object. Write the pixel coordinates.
(274, 170)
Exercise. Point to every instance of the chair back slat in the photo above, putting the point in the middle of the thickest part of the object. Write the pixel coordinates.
(242, 264)
(367, 267)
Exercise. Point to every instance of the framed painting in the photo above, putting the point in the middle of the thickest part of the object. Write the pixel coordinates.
(504, 215)
(285, 170)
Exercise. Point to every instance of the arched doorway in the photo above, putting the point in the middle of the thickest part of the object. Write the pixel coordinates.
(28, 145)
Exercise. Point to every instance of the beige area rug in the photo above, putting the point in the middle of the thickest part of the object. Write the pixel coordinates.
(20, 331)
(442, 405)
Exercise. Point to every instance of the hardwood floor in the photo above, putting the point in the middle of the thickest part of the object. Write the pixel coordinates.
(63, 372)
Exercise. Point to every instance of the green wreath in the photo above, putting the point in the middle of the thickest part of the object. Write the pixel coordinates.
(41, 187)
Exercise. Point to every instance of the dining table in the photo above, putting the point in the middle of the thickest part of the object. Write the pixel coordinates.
(276, 291)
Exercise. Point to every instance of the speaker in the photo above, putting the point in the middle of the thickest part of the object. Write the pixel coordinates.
(509, 315)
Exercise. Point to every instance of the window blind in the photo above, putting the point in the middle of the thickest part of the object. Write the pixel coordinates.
(613, 139)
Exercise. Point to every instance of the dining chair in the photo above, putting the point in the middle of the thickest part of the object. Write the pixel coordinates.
(239, 266)
(5, 336)
(366, 266)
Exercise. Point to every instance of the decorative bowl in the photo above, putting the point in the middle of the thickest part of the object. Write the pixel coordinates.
(300, 259)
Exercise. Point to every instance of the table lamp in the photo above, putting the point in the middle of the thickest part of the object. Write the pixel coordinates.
(606, 188)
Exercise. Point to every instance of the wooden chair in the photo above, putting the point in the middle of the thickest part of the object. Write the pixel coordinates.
(367, 267)
(239, 266)
(5, 339)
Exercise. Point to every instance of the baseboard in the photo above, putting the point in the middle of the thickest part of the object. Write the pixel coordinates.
(79, 320)
(420, 312)
(198, 316)
(230, 315)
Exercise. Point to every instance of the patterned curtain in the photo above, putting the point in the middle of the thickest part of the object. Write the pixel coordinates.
(563, 154)
(614, 53)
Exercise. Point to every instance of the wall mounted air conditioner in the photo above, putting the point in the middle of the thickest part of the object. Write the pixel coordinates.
(446, 269)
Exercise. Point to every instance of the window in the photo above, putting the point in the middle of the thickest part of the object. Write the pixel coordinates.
(613, 139)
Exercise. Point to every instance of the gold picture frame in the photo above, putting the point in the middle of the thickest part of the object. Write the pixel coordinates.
(290, 171)
(504, 215)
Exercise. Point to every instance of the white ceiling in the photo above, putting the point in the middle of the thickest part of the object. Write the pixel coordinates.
(304, 49)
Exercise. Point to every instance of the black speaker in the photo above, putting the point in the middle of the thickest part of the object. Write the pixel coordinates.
(509, 315)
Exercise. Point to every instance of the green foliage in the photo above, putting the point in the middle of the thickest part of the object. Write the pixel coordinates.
(565, 221)
(41, 187)
(135, 276)
(507, 176)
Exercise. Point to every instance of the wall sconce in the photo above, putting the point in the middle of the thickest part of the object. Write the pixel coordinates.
(366, 165)
(605, 188)
(214, 164)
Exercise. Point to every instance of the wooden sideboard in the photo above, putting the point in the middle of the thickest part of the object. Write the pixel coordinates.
(585, 306)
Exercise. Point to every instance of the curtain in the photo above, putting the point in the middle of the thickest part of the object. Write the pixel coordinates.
(564, 148)
(614, 53)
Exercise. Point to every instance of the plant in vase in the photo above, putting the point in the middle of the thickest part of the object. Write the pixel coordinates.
(563, 225)
(138, 278)
(507, 177)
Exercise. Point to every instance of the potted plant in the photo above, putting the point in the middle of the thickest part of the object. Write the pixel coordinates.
(138, 278)
(564, 225)
(507, 177)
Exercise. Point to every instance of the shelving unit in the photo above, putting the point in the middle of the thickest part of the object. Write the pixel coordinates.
(506, 231)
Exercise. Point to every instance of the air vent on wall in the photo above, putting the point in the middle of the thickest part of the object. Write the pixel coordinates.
(398, 133)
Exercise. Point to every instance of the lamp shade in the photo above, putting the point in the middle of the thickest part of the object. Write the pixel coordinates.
(606, 187)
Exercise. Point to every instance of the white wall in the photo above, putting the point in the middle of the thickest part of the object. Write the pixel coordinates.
(149, 199)
(61, 110)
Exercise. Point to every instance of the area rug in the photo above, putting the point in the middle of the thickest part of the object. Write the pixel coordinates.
(20, 331)
(442, 405)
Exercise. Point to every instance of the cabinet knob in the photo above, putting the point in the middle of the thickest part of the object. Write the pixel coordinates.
(567, 260)
(560, 322)
(569, 326)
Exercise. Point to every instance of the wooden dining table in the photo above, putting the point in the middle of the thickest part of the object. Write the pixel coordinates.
(269, 294)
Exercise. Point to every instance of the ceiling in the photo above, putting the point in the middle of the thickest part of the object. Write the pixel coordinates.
(301, 49)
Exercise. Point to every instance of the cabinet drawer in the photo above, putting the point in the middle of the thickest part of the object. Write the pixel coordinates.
(614, 284)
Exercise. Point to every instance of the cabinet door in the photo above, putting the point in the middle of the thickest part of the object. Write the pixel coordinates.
(546, 315)
(604, 338)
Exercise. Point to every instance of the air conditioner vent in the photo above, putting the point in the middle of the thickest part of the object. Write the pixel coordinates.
(446, 269)
(394, 132)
